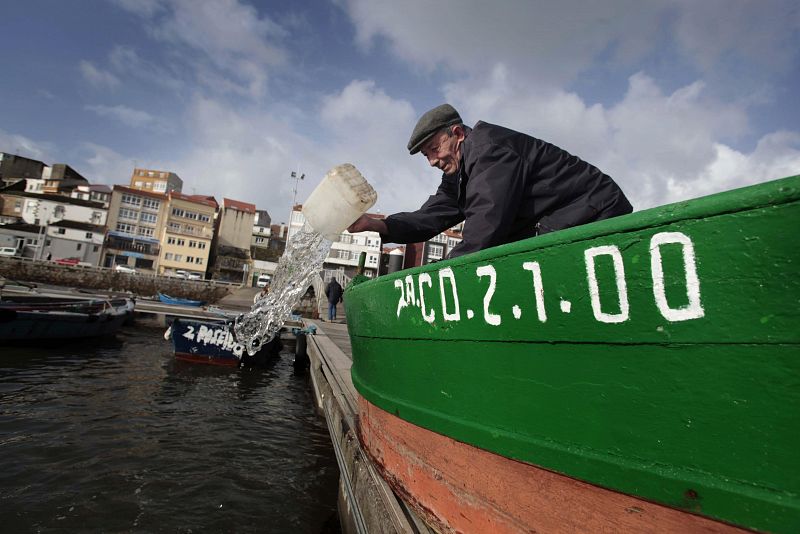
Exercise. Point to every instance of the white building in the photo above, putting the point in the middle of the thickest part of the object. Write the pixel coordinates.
(47, 209)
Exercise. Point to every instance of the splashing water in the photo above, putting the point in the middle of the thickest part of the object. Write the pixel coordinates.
(305, 252)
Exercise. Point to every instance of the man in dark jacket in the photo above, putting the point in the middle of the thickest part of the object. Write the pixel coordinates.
(334, 293)
(505, 185)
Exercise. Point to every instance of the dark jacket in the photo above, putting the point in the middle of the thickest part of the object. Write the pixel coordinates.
(510, 186)
(334, 292)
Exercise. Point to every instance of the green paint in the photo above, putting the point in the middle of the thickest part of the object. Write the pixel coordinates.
(699, 410)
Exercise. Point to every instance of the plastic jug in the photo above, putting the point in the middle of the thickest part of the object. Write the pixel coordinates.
(341, 198)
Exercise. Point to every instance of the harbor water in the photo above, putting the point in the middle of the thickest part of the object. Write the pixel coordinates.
(118, 436)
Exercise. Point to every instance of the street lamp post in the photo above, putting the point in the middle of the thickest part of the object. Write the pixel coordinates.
(297, 177)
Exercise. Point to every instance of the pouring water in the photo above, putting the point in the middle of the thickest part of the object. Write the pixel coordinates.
(341, 197)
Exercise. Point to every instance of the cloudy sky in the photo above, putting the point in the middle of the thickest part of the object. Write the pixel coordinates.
(673, 98)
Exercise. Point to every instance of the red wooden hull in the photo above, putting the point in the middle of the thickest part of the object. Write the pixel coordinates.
(460, 488)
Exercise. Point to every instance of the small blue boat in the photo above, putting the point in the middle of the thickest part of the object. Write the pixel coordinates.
(166, 299)
(212, 342)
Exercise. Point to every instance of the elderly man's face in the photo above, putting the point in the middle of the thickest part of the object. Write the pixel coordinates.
(443, 150)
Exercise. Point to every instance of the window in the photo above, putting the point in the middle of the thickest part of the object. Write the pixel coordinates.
(151, 204)
(125, 213)
(190, 259)
(146, 232)
(160, 187)
(192, 215)
(151, 174)
(201, 245)
(441, 238)
(95, 248)
(168, 256)
(346, 238)
(198, 261)
(170, 241)
(88, 235)
(452, 242)
(178, 212)
(435, 251)
(205, 218)
(96, 217)
(131, 200)
(126, 228)
(192, 244)
(139, 183)
(148, 218)
(175, 227)
(61, 231)
(78, 246)
(181, 242)
(259, 240)
(178, 257)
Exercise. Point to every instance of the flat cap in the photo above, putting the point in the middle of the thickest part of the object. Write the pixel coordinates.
(430, 123)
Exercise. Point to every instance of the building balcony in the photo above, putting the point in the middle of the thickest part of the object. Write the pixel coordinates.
(141, 245)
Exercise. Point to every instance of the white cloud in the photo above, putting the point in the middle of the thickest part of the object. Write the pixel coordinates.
(759, 32)
(125, 60)
(107, 166)
(554, 41)
(660, 147)
(134, 118)
(370, 129)
(237, 46)
(97, 77)
(21, 145)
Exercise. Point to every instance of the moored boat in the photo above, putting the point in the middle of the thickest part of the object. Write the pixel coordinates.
(212, 342)
(37, 318)
(166, 299)
(634, 374)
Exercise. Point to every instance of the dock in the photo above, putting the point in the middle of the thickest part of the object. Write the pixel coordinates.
(366, 502)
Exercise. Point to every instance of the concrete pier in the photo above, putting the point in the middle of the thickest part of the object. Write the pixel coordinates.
(366, 503)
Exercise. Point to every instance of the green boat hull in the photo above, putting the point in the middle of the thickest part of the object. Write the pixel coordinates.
(656, 354)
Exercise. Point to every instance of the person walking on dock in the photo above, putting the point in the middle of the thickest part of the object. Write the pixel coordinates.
(334, 293)
(505, 185)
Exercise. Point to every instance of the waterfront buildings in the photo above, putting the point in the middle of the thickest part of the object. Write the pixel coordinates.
(133, 224)
(187, 234)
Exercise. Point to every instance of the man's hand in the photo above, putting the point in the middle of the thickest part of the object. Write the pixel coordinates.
(367, 224)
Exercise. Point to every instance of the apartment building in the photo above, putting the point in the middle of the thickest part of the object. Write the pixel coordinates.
(187, 234)
(435, 249)
(232, 261)
(134, 221)
(346, 249)
(156, 181)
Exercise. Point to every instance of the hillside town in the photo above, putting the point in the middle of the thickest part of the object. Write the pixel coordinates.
(149, 225)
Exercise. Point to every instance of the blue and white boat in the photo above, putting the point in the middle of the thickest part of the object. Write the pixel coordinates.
(166, 299)
(212, 342)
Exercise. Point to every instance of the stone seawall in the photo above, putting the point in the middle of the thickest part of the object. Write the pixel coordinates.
(103, 279)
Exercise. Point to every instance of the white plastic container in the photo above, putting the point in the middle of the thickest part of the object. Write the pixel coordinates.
(341, 198)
